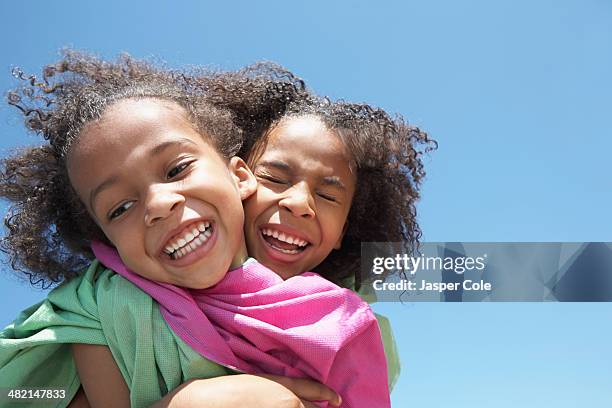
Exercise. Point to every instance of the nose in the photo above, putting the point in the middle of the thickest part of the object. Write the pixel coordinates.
(299, 201)
(160, 204)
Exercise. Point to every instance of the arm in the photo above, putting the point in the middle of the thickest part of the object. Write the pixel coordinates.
(79, 400)
(104, 386)
(100, 377)
(252, 391)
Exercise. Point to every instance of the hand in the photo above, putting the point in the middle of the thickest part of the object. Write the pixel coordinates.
(244, 390)
(307, 390)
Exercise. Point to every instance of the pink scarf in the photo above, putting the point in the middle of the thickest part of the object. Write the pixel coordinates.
(254, 322)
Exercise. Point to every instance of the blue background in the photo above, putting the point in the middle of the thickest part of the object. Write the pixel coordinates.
(517, 93)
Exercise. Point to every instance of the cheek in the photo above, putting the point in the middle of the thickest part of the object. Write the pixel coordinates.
(238, 218)
(129, 241)
(253, 207)
(332, 224)
(231, 208)
(130, 259)
(333, 233)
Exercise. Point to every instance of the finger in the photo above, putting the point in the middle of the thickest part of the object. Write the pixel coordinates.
(308, 389)
(308, 404)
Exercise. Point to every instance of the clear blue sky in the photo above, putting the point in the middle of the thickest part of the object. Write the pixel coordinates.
(517, 93)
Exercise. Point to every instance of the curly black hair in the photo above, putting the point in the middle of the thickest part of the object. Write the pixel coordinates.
(386, 152)
(49, 229)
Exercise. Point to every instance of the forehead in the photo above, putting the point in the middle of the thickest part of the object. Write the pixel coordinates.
(307, 137)
(130, 123)
(124, 144)
(306, 149)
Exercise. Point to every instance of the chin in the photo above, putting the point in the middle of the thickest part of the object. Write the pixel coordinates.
(286, 273)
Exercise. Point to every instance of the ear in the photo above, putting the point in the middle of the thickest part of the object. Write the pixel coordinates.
(243, 177)
(339, 242)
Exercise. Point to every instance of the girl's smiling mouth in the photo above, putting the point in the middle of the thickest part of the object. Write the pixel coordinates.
(190, 244)
(282, 244)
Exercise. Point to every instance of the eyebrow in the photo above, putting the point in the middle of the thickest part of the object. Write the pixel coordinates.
(277, 164)
(155, 151)
(333, 181)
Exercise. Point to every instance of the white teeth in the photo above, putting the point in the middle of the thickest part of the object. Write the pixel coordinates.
(281, 236)
(199, 240)
(189, 241)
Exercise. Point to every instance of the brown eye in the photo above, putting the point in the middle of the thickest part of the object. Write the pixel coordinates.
(120, 210)
(175, 171)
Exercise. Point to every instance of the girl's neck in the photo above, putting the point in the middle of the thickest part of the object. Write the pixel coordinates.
(241, 255)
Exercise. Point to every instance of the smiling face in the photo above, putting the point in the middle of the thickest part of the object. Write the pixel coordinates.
(161, 193)
(305, 187)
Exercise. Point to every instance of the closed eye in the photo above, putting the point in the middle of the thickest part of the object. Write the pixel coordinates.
(272, 179)
(117, 212)
(328, 197)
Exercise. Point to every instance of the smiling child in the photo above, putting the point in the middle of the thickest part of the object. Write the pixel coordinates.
(306, 185)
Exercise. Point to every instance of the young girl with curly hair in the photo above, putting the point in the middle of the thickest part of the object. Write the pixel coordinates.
(332, 175)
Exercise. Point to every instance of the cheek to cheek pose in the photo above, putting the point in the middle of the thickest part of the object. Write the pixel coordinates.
(140, 166)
